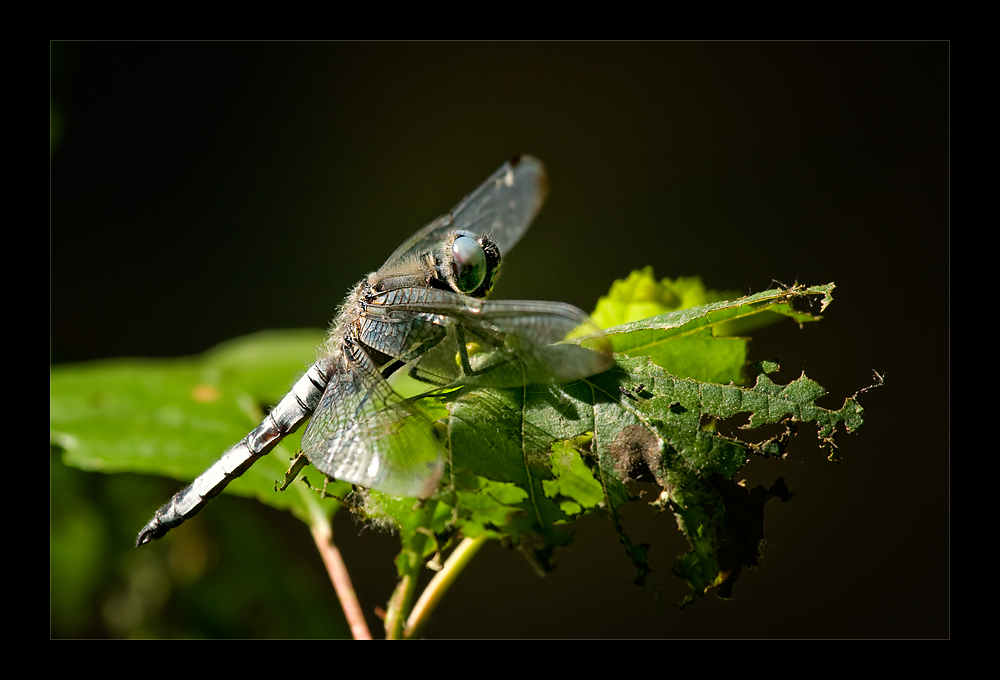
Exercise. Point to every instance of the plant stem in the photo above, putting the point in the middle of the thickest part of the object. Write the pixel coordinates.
(439, 585)
(322, 533)
(409, 562)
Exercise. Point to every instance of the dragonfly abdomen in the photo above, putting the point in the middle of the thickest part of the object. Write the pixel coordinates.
(285, 418)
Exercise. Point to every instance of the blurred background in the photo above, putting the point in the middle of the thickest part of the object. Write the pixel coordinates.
(203, 191)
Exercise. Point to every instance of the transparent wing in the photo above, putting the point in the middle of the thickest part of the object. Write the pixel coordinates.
(362, 432)
(497, 343)
(502, 207)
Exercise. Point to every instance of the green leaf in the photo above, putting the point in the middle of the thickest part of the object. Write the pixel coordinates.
(691, 331)
(641, 296)
(562, 444)
(574, 482)
(175, 417)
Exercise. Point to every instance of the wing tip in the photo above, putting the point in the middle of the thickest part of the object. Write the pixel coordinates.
(528, 166)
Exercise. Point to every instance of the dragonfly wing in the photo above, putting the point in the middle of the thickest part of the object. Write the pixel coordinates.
(501, 343)
(540, 341)
(502, 207)
(362, 432)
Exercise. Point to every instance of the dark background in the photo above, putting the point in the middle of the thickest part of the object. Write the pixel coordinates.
(201, 191)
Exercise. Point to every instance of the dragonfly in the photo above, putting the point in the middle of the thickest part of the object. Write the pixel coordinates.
(424, 311)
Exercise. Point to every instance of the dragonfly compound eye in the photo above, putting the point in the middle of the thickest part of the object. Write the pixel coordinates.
(468, 264)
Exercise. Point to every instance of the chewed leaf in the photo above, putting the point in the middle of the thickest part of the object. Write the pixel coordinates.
(561, 443)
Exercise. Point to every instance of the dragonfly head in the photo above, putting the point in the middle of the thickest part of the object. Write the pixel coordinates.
(470, 263)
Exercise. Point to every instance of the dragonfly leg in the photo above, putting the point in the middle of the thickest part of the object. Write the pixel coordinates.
(293, 471)
(463, 353)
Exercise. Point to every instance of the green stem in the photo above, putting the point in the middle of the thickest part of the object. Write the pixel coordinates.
(439, 585)
(408, 563)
